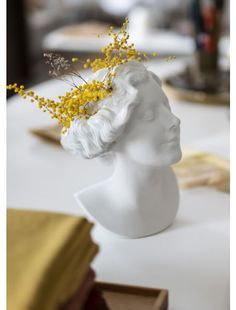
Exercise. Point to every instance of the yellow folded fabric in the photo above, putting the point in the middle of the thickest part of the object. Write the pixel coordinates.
(48, 256)
(197, 169)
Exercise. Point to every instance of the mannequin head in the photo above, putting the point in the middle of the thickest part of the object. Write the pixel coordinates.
(135, 121)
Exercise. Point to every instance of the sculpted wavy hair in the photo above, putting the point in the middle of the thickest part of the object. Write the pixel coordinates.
(95, 136)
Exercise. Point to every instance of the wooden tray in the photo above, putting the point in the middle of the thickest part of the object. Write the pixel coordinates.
(126, 297)
(49, 134)
(195, 96)
(187, 86)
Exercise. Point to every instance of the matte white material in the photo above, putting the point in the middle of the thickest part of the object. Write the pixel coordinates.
(137, 210)
(190, 258)
(141, 197)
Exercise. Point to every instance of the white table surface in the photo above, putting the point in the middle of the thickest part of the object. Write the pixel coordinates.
(155, 41)
(149, 42)
(191, 258)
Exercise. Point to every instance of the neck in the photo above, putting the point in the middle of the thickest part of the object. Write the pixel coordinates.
(134, 176)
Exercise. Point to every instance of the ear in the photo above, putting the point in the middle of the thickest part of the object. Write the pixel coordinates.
(156, 78)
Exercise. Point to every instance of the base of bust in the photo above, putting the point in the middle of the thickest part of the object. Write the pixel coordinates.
(133, 230)
(132, 221)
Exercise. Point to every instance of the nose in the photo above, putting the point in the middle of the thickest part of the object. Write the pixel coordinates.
(175, 122)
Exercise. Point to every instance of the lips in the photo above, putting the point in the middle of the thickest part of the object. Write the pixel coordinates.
(173, 140)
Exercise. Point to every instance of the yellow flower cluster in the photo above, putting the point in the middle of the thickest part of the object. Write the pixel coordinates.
(80, 102)
(118, 52)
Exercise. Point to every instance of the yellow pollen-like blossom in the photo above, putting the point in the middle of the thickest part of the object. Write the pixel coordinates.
(82, 100)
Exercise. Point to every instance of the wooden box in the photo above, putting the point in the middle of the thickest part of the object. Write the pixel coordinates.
(126, 297)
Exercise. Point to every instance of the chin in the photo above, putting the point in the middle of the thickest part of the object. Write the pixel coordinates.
(172, 158)
(176, 157)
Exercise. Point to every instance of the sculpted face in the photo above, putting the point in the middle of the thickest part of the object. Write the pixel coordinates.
(152, 135)
(136, 121)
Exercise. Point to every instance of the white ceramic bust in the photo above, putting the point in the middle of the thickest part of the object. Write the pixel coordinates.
(136, 129)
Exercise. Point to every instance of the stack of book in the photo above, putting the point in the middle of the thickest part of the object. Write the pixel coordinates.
(48, 262)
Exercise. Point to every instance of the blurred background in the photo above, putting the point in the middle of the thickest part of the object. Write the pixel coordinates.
(41, 175)
(70, 27)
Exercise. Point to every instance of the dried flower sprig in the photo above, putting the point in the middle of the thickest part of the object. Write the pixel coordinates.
(57, 64)
(60, 68)
(82, 100)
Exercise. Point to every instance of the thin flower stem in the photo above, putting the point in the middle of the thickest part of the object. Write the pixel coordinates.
(79, 76)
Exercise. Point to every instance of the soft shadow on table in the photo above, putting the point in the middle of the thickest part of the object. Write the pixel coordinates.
(178, 223)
